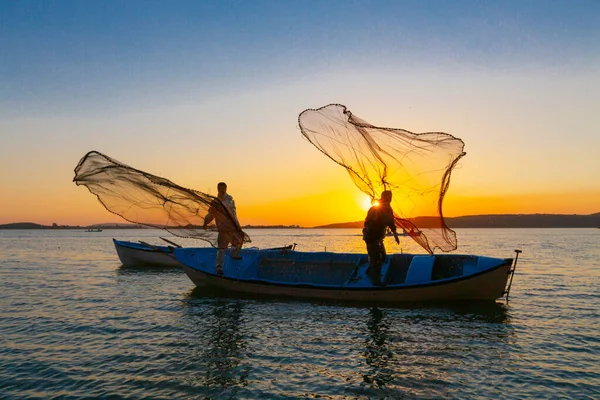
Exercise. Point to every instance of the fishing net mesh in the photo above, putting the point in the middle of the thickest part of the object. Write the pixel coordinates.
(146, 199)
(415, 167)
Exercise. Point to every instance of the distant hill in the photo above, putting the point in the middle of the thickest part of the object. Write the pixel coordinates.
(23, 225)
(526, 221)
(502, 221)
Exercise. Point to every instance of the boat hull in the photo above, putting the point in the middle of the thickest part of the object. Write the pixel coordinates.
(487, 286)
(134, 254)
(484, 285)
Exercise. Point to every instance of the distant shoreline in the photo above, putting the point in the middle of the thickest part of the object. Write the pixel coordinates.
(32, 225)
(499, 221)
(469, 221)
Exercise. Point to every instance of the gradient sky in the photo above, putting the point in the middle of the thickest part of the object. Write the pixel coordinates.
(208, 91)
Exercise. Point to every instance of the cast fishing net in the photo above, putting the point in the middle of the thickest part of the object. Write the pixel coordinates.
(415, 167)
(146, 199)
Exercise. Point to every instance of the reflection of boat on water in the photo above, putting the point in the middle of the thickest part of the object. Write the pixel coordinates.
(393, 337)
(217, 346)
(93, 230)
(378, 350)
(343, 276)
(392, 348)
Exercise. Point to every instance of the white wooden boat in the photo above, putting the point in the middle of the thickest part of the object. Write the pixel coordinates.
(135, 254)
(342, 276)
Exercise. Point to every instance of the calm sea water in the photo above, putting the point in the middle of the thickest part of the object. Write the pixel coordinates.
(74, 323)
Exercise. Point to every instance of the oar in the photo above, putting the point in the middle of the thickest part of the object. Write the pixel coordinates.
(156, 248)
(288, 247)
(168, 241)
(153, 247)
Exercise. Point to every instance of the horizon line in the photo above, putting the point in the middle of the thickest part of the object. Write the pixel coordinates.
(297, 225)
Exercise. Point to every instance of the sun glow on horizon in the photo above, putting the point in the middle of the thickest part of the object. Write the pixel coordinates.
(366, 203)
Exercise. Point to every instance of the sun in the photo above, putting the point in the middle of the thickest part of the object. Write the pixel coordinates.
(365, 203)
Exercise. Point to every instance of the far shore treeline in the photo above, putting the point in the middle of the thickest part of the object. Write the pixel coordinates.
(469, 221)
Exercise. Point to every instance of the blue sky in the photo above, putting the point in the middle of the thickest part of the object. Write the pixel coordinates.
(166, 86)
(97, 55)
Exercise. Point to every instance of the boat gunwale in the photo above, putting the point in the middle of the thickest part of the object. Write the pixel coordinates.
(142, 247)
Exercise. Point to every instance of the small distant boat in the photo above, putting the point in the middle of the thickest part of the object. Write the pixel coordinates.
(136, 254)
(402, 233)
(342, 276)
(93, 230)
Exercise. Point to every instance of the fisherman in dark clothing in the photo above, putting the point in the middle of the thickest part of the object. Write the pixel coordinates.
(379, 218)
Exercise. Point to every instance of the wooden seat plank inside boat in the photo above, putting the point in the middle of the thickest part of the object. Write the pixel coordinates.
(398, 268)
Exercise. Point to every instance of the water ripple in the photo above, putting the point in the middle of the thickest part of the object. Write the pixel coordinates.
(75, 324)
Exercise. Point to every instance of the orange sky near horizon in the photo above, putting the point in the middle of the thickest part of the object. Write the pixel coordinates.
(337, 207)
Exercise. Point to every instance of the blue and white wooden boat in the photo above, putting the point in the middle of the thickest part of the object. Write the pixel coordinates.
(342, 276)
(137, 254)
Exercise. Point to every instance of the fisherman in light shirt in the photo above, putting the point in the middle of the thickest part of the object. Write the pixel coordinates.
(227, 224)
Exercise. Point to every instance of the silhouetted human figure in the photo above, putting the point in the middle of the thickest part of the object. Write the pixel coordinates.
(379, 218)
(225, 216)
